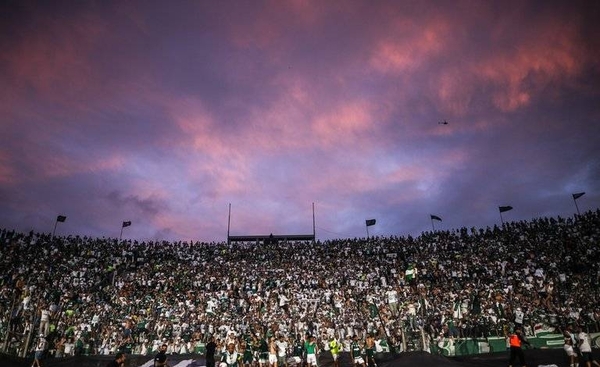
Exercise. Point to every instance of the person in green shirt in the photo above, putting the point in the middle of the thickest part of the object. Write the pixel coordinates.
(247, 353)
(370, 350)
(310, 346)
(297, 351)
(356, 352)
(263, 352)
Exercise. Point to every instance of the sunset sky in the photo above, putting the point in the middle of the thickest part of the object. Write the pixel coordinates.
(163, 113)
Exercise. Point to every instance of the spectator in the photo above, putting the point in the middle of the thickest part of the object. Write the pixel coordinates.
(119, 360)
(547, 268)
(585, 348)
(40, 349)
(516, 341)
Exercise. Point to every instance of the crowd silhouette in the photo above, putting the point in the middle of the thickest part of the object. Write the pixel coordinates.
(103, 296)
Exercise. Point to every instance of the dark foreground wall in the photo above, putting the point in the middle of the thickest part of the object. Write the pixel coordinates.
(88, 361)
(534, 358)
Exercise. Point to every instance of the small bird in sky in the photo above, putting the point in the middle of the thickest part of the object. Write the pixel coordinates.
(443, 122)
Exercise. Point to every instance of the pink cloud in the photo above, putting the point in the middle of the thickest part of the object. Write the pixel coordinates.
(344, 124)
(521, 64)
(55, 59)
(522, 75)
(409, 45)
(549, 51)
(454, 92)
(270, 21)
(63, 165)
(207, 150)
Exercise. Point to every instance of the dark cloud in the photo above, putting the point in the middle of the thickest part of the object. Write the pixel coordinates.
(145, 206)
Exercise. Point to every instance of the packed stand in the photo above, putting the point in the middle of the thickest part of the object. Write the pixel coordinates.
(100, 296)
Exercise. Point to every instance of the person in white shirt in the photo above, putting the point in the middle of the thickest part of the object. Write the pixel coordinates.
(283, 302)
(44, 320)
(392, 296)
(282, 348)
(569, 349)
(585, 349)
(519, 316)
(40, 347)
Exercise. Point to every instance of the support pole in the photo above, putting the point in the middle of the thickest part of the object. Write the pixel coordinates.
(314, 231)
(56, 223)
(576, 206)
(228, 223)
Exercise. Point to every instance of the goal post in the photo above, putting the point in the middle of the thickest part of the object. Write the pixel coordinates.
(270, 238)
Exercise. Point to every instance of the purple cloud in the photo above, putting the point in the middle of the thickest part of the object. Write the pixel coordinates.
(164, 115)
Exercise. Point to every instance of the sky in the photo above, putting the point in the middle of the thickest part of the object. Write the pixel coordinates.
(166, 113)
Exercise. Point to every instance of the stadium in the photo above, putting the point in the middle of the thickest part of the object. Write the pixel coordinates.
(413, 125)
(442, 298)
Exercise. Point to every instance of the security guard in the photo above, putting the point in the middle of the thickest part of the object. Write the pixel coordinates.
(516, 341)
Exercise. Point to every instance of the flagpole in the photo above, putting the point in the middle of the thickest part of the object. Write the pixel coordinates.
(576, 206)
(367, 226)
(314, 232)
(54, 230)
(228, 223)
(121, 235)
(501, 219)
(432, 226)
(387, 336)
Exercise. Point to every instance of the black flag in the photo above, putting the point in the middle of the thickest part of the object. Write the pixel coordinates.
(126, 224)
(578, 195)
(435, 217)
(505, 208)
(370, 222)
(61, 218)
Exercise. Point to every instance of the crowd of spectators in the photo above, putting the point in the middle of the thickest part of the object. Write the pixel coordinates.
(100, 296)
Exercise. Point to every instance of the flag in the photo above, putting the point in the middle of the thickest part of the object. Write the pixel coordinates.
(373, 310)
(411, 272)
(61, 218)
(505, 208)
(370, 222)
(542, 328)
(578, 195)
(435, 217)
(126, 224)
